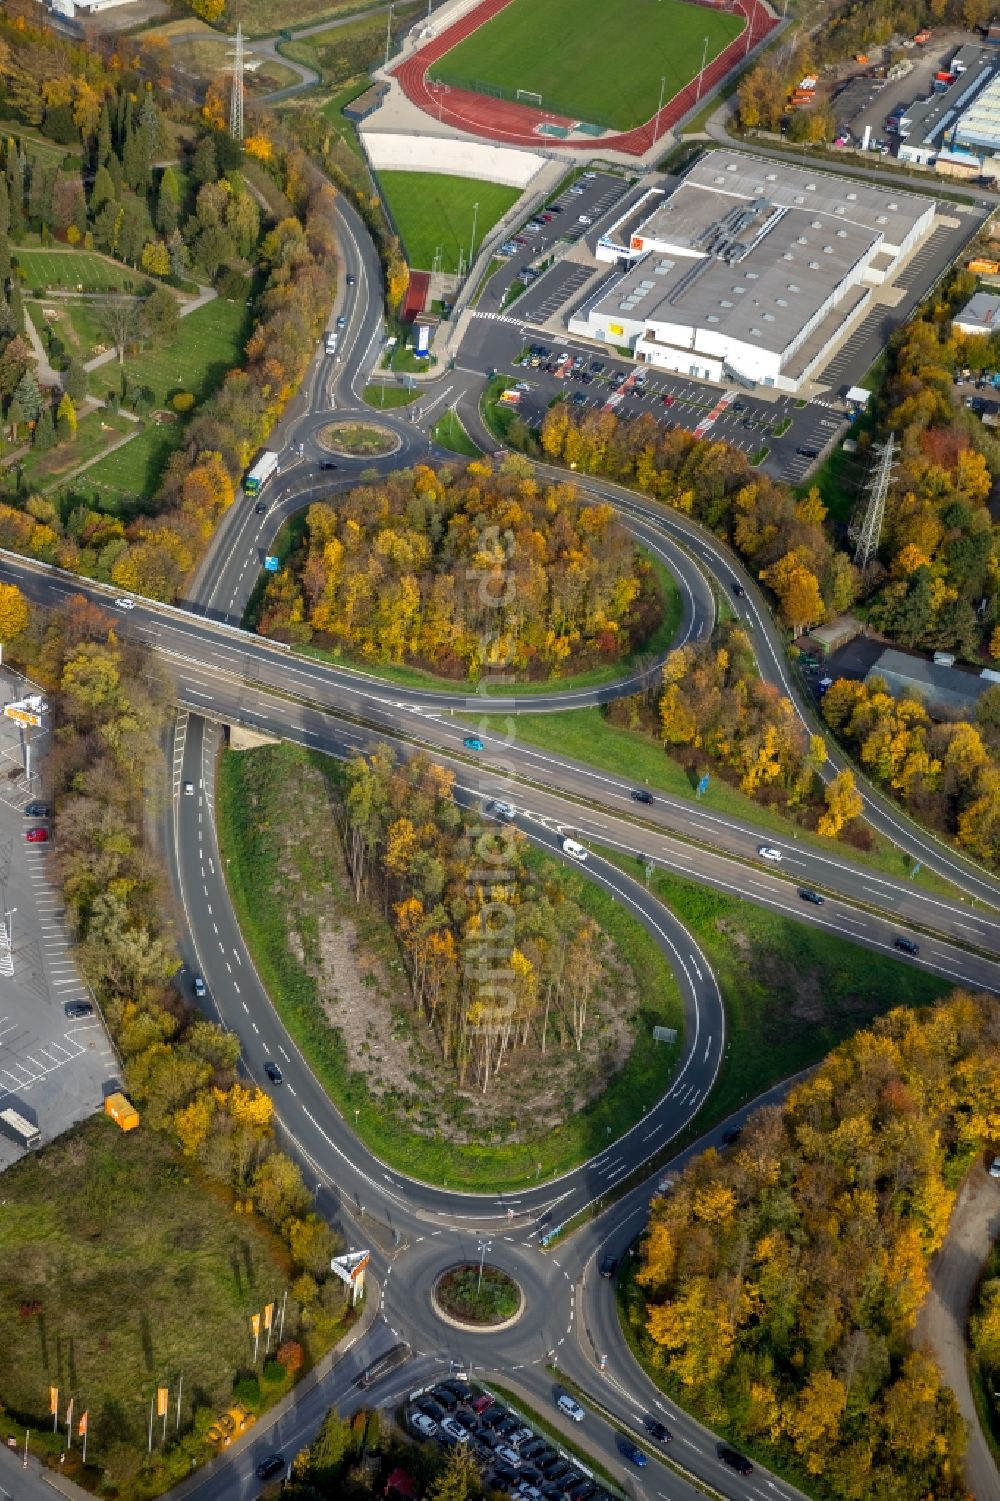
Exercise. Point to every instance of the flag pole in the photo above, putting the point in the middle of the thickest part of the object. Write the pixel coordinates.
(180, 1388)
(152, 1404)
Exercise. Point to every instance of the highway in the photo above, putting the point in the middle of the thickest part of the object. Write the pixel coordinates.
(224, 675)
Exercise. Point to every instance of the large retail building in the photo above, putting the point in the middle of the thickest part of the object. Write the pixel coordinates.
(748, 269)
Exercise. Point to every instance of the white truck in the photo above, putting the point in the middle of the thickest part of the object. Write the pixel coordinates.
(261, 472)
(18, 1129)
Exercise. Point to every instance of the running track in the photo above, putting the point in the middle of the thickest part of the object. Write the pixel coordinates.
(517, 124)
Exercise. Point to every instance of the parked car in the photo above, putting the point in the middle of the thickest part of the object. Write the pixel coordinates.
(453, 1430)
(37, 836)
(509, 1456)
(445, 1398)
(423, 1425)
(807, 453)
(459, 1390)
(36, 810)
(480, 1403)
(75, 1009)
(431, 1409)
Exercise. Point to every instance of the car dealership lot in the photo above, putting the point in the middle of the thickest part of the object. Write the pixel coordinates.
(53, 1066)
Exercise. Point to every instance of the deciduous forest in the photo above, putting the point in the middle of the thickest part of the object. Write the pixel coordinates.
(466, 571)
(778, 1283)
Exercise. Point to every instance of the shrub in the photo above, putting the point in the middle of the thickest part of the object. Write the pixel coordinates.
(246, 1389)
(182, 401)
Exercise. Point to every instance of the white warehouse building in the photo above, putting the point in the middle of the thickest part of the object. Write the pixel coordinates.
(749, 269)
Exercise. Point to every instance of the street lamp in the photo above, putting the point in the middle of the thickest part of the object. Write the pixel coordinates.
(656, 122)
(701, 75)
(388, 34)
(484, 1246)
(472, 242)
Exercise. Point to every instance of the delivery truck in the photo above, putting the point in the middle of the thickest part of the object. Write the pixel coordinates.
(261, 472)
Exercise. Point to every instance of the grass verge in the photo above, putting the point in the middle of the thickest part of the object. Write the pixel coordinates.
(449, 433)
(265, 781)
(383, 397)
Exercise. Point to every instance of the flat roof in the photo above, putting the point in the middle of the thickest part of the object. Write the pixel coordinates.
(947, 688)
(722, 181)
(765, 299)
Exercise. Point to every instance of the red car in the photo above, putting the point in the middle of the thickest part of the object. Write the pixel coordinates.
(480, 1403)
(37, 836)
(668, 401)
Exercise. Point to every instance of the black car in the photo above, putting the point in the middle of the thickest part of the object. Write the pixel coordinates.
(273, 1072)
(731, 1134)
(807, 453)
(534, 1449)
(260, 509)
(431, 1409)
(505, 1475)
(739, 406)
(76, 1009)
(608, 1267)
(494, 1416)
(812, 896)
(735, 1460)
(465, 1420)
(350, 279)
(36, 810)
(447, 1399)
(459, 1390)
(640, 795)
(327, 464)
(738, 589)
(272, 1465)
(657, 1430)
(906, 945)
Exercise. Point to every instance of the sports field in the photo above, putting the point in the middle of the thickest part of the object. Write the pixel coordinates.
(598, 61)
(431, 210)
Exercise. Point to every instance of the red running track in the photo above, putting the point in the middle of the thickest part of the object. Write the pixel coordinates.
(517, 124)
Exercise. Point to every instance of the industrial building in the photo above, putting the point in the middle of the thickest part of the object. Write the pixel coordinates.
(926, 126)
(981, 314)
(945, 692)
(748, 269)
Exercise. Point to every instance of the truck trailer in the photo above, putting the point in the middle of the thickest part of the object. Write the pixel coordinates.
(20, 1130)
(261, 472)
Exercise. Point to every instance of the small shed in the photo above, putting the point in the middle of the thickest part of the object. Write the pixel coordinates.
(858, 399)
(837, 634)
(121, 1111)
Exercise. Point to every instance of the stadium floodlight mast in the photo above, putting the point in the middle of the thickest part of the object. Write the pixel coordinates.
(659, 107)
(472, 242)
(388, 32)
(701, 75)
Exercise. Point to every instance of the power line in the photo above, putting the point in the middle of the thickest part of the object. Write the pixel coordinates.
(236, 94)
(865, 530)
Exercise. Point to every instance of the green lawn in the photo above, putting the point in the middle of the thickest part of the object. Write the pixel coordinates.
(275, 778)
(791, 990)
(585, 735)
(592, 60)
(449, 433)
(95, 432)
(432, 211)
(75, 321)
(208, 343)
(387, 397)
(76, 270)
(128, 477)
(121, 1268)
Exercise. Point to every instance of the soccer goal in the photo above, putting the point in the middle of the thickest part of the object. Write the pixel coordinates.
(528, 96)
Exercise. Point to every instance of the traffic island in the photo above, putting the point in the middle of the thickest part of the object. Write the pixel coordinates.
(358, 440)
(482, 1298)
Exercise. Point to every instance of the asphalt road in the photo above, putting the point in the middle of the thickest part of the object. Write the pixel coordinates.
(413, 1225)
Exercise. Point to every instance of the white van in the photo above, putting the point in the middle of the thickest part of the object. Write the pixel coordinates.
(574, 850)
(572, 1409)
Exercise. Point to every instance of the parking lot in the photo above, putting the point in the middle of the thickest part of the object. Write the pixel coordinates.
(510, 1455)
(54, 1065)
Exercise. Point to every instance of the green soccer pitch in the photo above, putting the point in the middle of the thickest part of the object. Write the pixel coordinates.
(599, 61)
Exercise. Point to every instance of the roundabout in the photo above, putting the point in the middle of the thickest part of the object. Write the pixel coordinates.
(358, 440)
(485, 1299)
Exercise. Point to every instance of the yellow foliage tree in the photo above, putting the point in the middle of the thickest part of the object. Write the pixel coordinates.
(843, 803)
(14, 612)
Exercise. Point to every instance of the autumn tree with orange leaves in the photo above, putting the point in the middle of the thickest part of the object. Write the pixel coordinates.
(779, 1284)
